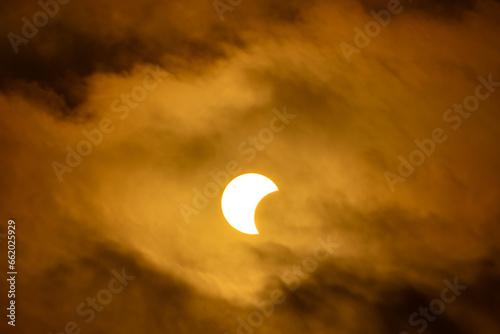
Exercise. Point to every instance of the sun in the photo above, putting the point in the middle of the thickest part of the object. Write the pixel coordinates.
(240, 200)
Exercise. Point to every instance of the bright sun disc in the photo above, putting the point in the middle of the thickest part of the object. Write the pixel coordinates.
(240, 200)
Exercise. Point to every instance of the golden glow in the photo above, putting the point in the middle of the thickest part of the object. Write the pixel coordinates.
(241, 197)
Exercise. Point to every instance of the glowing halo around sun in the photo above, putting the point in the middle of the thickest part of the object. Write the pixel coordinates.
(240, 200)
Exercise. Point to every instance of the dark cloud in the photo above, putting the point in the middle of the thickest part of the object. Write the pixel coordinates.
(63, 53)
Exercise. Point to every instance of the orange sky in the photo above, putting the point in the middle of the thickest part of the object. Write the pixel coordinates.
(170, 93)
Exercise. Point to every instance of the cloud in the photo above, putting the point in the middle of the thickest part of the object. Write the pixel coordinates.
(120, 206)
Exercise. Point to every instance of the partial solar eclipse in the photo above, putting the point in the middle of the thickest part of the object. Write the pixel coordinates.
(240, 200)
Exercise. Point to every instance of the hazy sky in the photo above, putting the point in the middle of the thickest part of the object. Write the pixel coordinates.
(170, 93)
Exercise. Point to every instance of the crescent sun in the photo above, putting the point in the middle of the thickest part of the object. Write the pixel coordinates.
(241, 198)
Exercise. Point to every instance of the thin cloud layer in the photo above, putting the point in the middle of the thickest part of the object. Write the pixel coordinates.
(213, 85)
